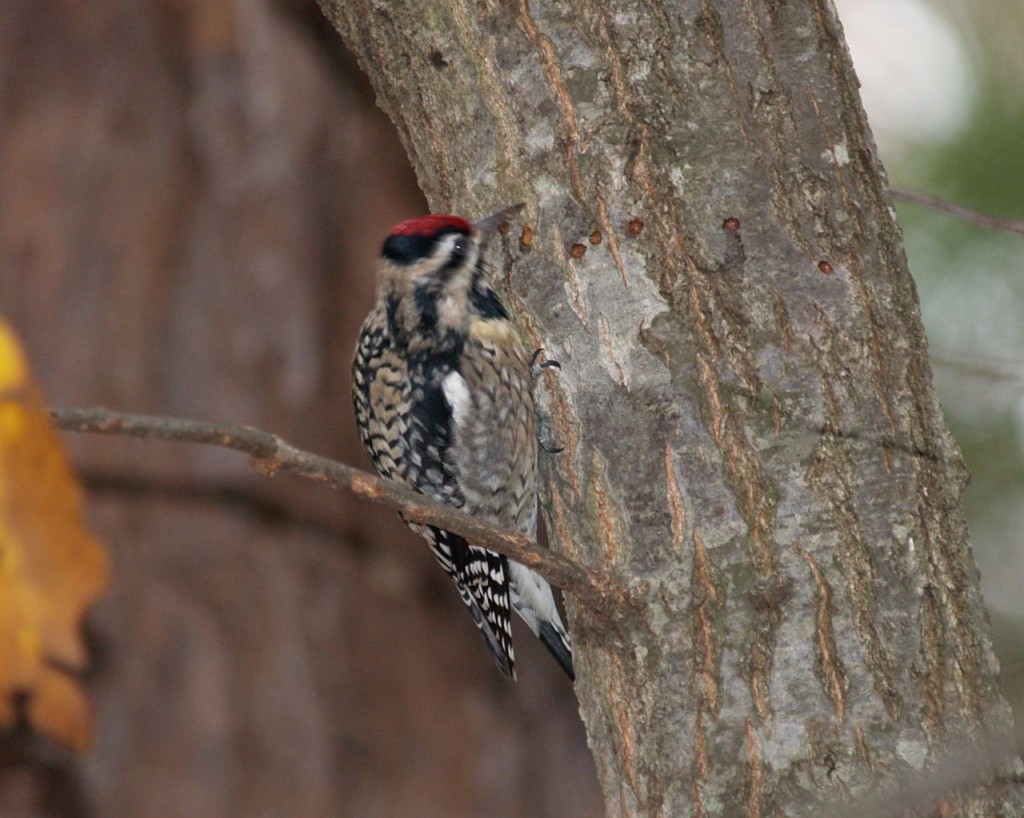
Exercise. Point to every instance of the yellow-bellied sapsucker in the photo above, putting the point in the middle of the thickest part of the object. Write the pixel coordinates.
(443, 399)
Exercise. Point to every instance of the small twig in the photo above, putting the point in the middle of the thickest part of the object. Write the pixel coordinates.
(270, 454)
(964, 213)
(982, 367)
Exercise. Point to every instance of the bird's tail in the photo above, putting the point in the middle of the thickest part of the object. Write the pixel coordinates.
(554, 637)
(535, 603)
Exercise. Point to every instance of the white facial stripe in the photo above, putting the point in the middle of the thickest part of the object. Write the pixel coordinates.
(447, 245)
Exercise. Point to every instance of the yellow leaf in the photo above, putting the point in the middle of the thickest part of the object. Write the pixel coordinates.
(51, 568)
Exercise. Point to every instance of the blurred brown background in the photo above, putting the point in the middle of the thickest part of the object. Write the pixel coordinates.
(192, 196)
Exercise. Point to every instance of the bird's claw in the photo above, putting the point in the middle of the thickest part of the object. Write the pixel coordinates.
(539, 361)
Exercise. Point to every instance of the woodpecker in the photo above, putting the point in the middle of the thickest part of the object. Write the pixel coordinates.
(443, 397)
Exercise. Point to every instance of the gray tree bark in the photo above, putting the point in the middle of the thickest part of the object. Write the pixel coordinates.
(754, 449)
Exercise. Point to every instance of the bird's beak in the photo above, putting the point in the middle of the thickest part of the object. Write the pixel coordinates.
(492, 223)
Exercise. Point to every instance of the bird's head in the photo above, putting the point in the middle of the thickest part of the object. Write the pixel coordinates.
(433, 274)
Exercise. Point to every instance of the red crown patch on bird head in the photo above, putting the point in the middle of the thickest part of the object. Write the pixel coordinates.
(414, 239)
(432, 225)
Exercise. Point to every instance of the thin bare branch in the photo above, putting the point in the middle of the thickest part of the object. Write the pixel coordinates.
(963, 213)
(270, 454)
(982, 367)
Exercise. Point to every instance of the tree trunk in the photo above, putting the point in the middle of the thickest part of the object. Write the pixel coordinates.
(192, 197)
(753, 445)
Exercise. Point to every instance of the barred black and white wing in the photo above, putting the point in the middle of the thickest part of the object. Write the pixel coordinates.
(444, 403)
(494, 452)
(482, 579)
(406, 423)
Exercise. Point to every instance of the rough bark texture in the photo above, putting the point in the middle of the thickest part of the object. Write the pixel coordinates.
(192, 197)
(753, 444)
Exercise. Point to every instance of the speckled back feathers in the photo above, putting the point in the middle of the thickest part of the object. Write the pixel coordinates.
(443, 402)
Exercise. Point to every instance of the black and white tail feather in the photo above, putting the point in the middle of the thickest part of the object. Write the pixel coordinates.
(535, 604)
(443, 397)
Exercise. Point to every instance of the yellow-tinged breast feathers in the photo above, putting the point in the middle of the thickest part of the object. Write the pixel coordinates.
(496, 330)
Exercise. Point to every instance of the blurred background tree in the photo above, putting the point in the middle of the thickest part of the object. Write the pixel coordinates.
(941, 85)
(192, 194)
(192, 199)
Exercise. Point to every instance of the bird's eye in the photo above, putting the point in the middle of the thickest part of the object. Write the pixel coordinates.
(460, 247)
